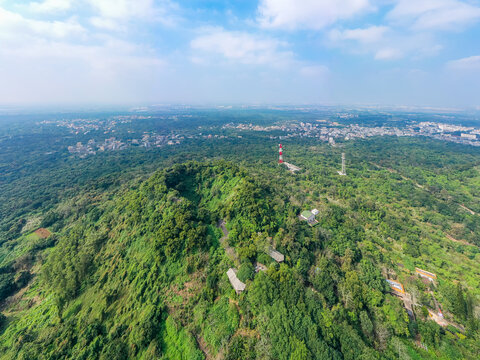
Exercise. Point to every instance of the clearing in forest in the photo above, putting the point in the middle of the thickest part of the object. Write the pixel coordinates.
(43, 233)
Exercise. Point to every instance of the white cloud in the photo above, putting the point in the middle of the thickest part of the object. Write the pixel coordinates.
(55, 71)
(314, 71)
(468, 63)
(388, 54)
(62, 61)
(121, 9)
(35, 39)
(308, 14)
(370, 34)
(13, 25)
(385, 43)
(50, 6)
(240, 47)
(105, 23)
(106, 56)
(434, 14)
(111, 14)
(409, 30)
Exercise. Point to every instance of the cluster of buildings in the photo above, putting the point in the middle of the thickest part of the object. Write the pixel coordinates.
(253, 127)
(448, 132)
(398, 289)
(155, 140)
(81, 150)
(240, 286)
(85, 126)
(328, 131)
(91, 148)
(112, 144)
(324, 130)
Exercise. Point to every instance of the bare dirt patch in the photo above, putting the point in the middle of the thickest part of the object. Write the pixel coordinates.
(10, 303)
(179, 296)
(43, 233)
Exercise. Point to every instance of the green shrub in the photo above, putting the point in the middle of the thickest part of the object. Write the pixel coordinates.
(246, 271)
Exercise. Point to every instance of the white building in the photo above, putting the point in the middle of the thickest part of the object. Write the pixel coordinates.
(307, 215)
(277, 256)
(235, 281)
(469, 136)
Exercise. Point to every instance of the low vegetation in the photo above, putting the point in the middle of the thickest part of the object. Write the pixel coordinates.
(138, 271)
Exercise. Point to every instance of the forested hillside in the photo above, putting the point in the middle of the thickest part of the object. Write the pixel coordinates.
(140, 272)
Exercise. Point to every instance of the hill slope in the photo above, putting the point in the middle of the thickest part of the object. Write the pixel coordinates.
(143, 276)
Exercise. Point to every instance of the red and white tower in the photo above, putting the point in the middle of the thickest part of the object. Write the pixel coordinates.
(280, 154)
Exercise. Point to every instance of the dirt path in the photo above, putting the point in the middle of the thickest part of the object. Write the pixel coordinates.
(438, 319)
(463, 242)
(465, 208)
(437, 316)
(243, 331)
(223, 241)
(202, 345)
(393, 171)
(221, 225)
(407, 303)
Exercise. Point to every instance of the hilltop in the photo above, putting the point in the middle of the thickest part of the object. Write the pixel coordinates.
(141, 272)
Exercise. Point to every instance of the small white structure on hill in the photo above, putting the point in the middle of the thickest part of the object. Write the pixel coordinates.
(426, 274)
(277, 256)
(292, 168)
(235, 281)
(307, 215)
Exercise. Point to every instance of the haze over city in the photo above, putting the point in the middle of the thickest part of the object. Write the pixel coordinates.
(401, 52)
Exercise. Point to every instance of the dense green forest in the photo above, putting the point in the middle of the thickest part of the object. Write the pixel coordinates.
(136, 264)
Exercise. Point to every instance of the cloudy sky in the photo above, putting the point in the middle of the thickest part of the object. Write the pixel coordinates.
(392, 52)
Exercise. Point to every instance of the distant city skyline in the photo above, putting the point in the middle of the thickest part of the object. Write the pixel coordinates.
(127, 52)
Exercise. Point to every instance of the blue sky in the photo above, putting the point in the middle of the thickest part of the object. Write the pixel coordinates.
(386, 52)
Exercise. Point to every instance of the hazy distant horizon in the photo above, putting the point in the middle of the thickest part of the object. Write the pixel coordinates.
(87, 53)
(20, 109)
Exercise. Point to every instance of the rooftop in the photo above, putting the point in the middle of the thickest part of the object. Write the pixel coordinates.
(236, 283)
(306, 214)
(396, 286)
(292, 168)
(277, 256)
(425, 273)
